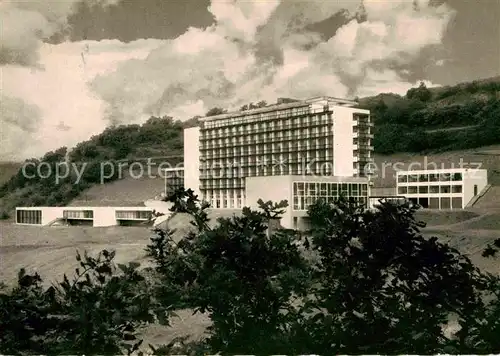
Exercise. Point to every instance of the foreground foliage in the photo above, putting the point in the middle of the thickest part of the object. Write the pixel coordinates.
(357, 282)
(97, 312)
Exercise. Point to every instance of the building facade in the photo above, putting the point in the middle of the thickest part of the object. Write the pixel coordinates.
(444, 189)
(322, 140)
(88, 216)
(320, 137)
(301, 191)
(174, 179)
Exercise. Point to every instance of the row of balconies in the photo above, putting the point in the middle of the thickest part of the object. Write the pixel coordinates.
(209, 134)
(218, 155)
(363, 135)
(262, 141)
(269, 172)
(249, 118)
(263, 163)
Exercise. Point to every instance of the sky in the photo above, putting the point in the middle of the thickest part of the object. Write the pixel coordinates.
(71, 68)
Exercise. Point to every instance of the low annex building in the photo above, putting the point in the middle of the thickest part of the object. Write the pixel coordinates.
(443, 189)
(87, 216)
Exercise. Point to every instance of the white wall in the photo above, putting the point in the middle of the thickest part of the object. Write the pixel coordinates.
(49, 214)
(159, 206)
(343, 156)
(343, 134)
(192, 159)
(473, 177)
(274, 188)
(105, 216)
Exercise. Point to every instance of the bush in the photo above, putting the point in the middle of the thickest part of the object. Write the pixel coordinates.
(4, 215)
(357, 282)
(375, 278)
(98, 312)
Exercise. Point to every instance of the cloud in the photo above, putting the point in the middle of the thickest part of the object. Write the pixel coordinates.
(67, 111)
(18, 121)
(220, 64)
(25, 24)
(254, 51)
(387, 81)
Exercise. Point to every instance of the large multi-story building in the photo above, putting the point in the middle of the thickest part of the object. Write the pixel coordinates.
(324, 138)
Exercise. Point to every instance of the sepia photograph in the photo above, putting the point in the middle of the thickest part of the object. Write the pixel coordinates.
(249, 177)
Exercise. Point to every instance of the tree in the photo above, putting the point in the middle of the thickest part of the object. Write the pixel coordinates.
(421, 93)
(380, 281)
(372, 277)
(245, 279)
(97, 312)
(357, 282)
(215, 111)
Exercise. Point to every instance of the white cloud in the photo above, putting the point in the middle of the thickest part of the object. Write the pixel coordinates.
(387, 81)
(240, 18)
(87, 85)
(26, 23)
(61, 94)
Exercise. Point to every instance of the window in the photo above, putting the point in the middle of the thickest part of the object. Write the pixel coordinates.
(456, 203)
(412, 190)
(433, 203)
(445, 203)
(457, 177)
(402, 190)
(445, 189)
(333, 187)
(355, 190)
(78, 214)
(412, 178)
(423, 178)
(433, 177)
(311, 190)
(456, 189)
(322, 190)
(132, 215)
(434, 189)
(423, 189)
(33, 217)
(444, 177)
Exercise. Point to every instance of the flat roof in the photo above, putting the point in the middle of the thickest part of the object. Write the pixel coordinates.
(442, 170)
(82, 208)
(274, 107)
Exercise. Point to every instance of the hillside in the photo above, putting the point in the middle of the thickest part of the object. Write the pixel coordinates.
(424, 121)
(7, 170)
(463, 116)
(101, 159)
(128, 191)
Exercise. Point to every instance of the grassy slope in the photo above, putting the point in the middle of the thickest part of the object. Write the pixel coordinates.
(126, 191)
